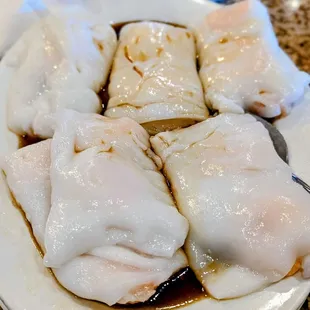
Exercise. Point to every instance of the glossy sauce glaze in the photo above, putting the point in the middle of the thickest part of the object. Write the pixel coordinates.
(104, 97)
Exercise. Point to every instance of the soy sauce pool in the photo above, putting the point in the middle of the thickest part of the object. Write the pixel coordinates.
(181, 289)
(27, 140)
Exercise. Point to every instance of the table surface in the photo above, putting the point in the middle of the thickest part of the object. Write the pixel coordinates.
(291, 20)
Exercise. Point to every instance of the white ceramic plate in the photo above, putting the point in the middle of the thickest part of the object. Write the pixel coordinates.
(24, 282)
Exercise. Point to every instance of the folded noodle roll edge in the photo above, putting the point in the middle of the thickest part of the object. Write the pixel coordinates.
(243, 235)
(126, 258)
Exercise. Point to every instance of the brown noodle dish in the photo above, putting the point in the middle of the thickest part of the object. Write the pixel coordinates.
(129, 220)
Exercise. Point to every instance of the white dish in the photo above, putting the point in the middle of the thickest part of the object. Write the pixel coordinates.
(295, 128)
(25, 283)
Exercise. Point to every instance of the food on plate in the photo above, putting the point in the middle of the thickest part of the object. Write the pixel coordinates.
(60, 62)
(99, 208)
(18, 15)
(27, 172)
(249, 222)
(295, 128)
(154, 79)
(15, 18)
(242, 66)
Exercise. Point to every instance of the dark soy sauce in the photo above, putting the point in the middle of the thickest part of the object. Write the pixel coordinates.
(181, 289)
(27, 140)
(104, 97)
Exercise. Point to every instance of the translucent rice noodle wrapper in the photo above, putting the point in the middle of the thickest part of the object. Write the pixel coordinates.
(62, 61)
(16, 17)
(242, 66)
(249, 222)
(154, 79)
(99, 208)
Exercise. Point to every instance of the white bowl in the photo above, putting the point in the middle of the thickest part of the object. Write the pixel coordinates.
(24, 282)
